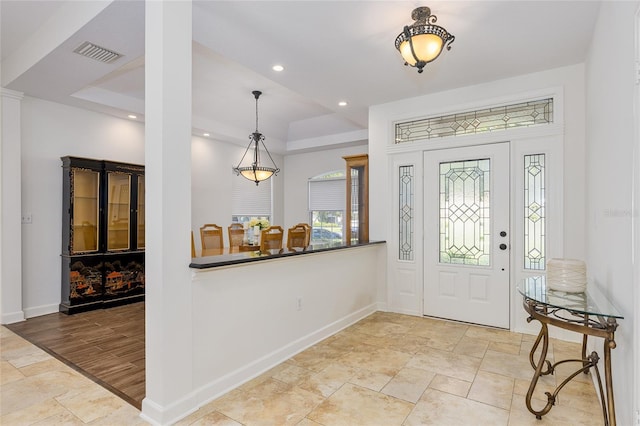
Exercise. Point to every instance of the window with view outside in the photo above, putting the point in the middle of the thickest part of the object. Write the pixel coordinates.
(327, 199)
(247, 219)
(326, 227)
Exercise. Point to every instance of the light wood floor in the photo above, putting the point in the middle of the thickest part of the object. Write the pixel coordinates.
(107, 345)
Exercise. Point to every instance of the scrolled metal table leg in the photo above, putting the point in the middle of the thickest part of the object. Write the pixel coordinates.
(544, 336)
(608, 345)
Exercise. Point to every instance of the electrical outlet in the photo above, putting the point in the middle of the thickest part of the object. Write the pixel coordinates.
(26, 218)
(299, 303)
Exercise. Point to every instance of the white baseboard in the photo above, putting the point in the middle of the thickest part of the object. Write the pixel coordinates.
(405, 312)
(41, 310)
(382, 307)
(13, 317)
(157, 415)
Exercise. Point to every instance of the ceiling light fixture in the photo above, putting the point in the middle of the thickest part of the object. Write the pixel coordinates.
(132, 116)
(422, 41)
(256, 172)
(342, 103)
(206, 135)
(277, 68)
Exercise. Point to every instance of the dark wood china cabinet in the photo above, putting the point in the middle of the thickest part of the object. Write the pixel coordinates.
(102, 234)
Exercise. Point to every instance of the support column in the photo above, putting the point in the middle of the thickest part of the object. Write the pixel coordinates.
(169, 343)
(11, 208)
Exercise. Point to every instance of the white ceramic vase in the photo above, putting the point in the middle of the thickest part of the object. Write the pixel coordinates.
(568, 275)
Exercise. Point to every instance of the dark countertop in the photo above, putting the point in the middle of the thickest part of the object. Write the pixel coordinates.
(237, 258)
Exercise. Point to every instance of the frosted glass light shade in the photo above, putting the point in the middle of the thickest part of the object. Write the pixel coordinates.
(257, 175)
(426, 46)
(427, 39)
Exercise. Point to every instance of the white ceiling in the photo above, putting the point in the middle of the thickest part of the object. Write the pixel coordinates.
(331, 51)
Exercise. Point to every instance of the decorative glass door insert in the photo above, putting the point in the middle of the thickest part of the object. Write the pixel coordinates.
(466, 234)
(465, 228)
(406, 212)
(534, 212)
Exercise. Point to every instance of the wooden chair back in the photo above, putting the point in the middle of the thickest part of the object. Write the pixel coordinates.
(211, 236)
(307, 228)
(193, 246)
(271, 238)
(297, 238)
(236, 235)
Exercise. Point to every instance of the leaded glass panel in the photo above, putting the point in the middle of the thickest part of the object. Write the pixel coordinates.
(355, 204)
(534, 212)
(523, 114)
(406, 212)
(465, 212)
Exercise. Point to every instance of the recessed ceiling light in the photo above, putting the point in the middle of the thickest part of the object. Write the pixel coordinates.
(132, 116)
(277, 68)
(206, 134)
(342, 103)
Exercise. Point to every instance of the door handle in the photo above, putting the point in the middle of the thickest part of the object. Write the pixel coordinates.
(503, 246)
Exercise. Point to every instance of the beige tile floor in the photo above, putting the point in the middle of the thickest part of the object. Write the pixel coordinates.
(387, 369)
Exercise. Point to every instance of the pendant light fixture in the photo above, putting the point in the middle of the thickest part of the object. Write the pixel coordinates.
(257, 171)
(422, 42)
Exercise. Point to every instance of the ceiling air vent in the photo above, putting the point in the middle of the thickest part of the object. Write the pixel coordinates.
(96, 52)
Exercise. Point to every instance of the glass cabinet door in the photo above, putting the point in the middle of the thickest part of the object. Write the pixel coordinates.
(86, 187)
(141, 213)
(118, 210)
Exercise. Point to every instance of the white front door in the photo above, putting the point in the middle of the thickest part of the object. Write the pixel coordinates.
(466, 234)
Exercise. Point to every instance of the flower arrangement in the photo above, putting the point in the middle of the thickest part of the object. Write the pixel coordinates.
(262, 223)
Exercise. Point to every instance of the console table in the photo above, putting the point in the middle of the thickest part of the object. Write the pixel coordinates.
(589, 314)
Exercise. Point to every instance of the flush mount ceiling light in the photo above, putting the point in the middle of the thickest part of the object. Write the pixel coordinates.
(422, 41)
(256, 171)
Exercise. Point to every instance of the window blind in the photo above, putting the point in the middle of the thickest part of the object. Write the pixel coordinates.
(327, 194)
(247, 199)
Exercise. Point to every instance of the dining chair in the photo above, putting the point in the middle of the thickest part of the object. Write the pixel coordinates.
(297, 238)
(271, 238)
(193, 246)
(307, 228)
(211, 236)
(236, 235)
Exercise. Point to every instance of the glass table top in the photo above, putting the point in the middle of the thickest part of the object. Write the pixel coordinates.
(591, 302)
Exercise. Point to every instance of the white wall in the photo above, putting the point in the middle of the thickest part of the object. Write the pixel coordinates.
(300, 168)
(259, 301)
(10, 208)
(569, 79)
(211, 181)
(567, 84)
(246, 319)
(610, 85)
(50, 131)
